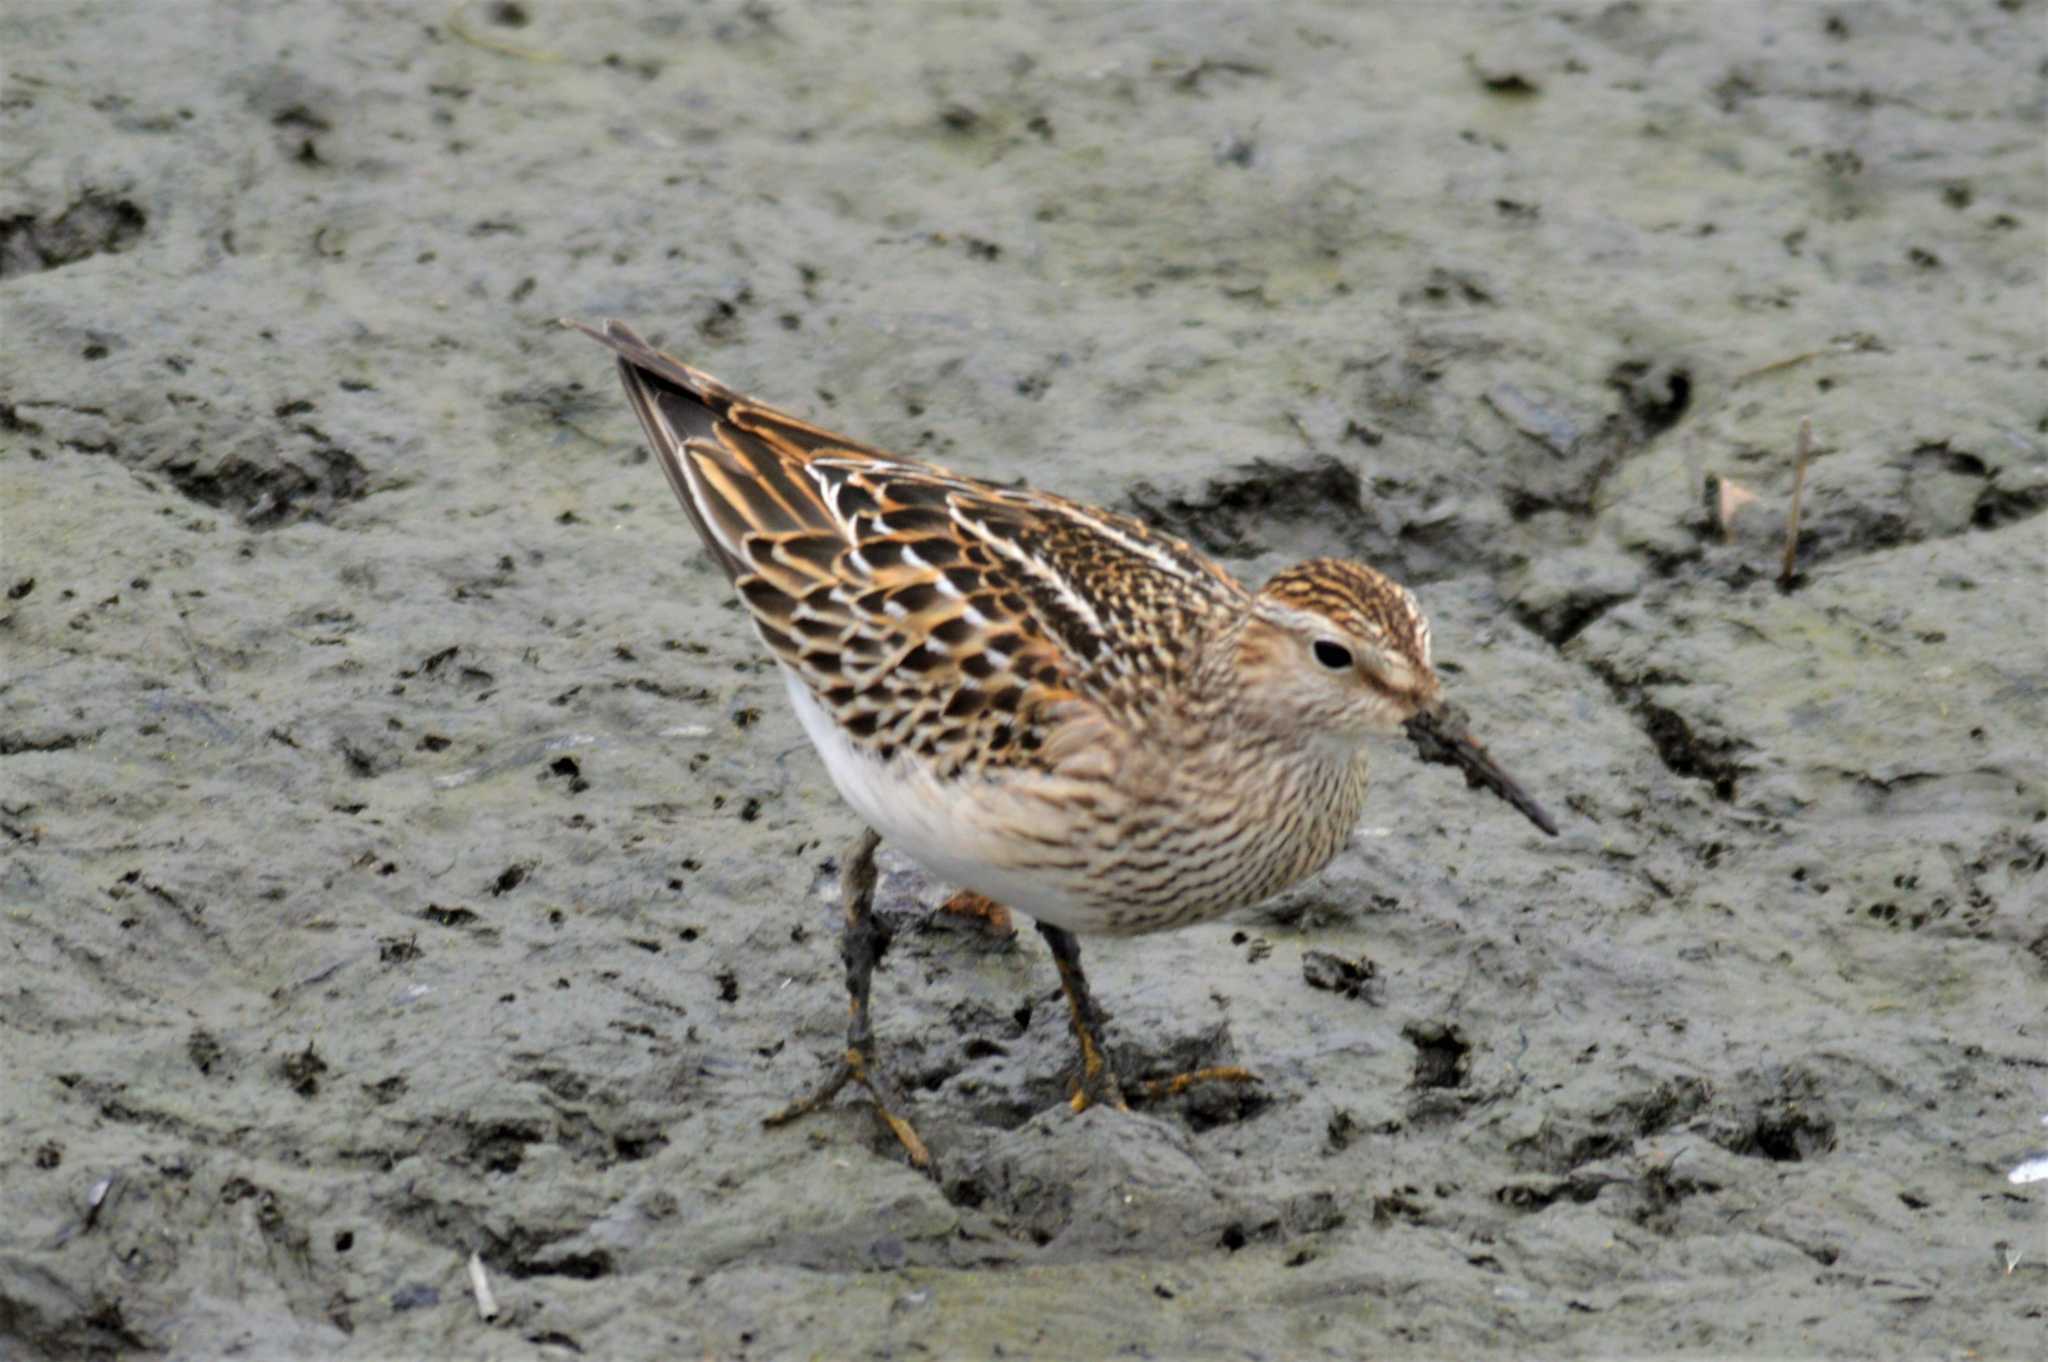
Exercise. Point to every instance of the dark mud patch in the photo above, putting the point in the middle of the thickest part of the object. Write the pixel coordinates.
(1320, 506)
(97, 222)
(1569, 465)
(1778, 1115)
(1334, 973)
(1262, 506)
(1683, 751)
(1443, 1057)
(1567, 1139)
(265, 496)
(54, 1321)
(1933, 490)
(268, 468)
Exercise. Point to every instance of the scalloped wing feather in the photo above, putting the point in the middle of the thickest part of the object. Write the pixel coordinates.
(971, 625)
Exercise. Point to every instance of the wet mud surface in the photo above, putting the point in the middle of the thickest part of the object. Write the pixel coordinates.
(406, 852)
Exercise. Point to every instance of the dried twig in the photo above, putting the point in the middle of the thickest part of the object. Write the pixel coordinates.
(1789, 572)
(1775, 365)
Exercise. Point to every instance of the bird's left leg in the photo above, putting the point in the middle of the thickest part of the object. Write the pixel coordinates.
(1098, 1082)
(1098, 1085)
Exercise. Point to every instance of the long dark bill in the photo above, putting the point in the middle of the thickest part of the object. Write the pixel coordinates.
(1442, 735)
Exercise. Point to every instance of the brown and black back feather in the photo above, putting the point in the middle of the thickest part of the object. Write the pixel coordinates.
(928, 611)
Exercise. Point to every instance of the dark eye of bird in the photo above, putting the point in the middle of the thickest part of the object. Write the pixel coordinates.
(1335, 656)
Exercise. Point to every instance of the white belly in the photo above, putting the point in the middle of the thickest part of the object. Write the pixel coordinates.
(946, 829)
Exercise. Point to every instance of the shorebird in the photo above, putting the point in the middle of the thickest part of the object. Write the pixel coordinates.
(1047, 703)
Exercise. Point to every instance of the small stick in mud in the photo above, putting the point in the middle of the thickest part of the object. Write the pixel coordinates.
(1777, 364)
(1789, 572)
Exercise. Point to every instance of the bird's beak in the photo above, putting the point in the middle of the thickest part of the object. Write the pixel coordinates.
(1442, 735)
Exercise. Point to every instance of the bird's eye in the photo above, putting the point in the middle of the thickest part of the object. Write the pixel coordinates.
(1333, 655)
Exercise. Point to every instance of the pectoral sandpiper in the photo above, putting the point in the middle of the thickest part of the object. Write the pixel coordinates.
(1042, 701)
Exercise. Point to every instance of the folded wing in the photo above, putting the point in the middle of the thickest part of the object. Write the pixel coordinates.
(932, 614)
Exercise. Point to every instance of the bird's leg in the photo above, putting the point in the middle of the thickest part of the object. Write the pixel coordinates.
(1158, 1089)
(1098, 1084)
(861, 946)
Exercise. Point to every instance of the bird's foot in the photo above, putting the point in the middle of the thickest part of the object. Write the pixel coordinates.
(984, 912)
(1096, 1085)
(1159, 1089)
(856, 1065)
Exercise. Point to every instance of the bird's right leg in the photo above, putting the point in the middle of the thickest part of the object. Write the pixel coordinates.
(861, 946)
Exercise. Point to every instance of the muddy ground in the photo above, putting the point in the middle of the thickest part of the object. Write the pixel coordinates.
(405, 852)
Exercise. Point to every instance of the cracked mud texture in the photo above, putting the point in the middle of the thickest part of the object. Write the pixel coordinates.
(405, 851)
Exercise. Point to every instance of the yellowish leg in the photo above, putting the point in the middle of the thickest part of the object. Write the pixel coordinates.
(1159, 1089)
(1098, 1084)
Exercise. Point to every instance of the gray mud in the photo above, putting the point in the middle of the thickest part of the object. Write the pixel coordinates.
(405, 852)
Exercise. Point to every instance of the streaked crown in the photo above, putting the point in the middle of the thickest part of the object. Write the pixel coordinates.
(1335, 646)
